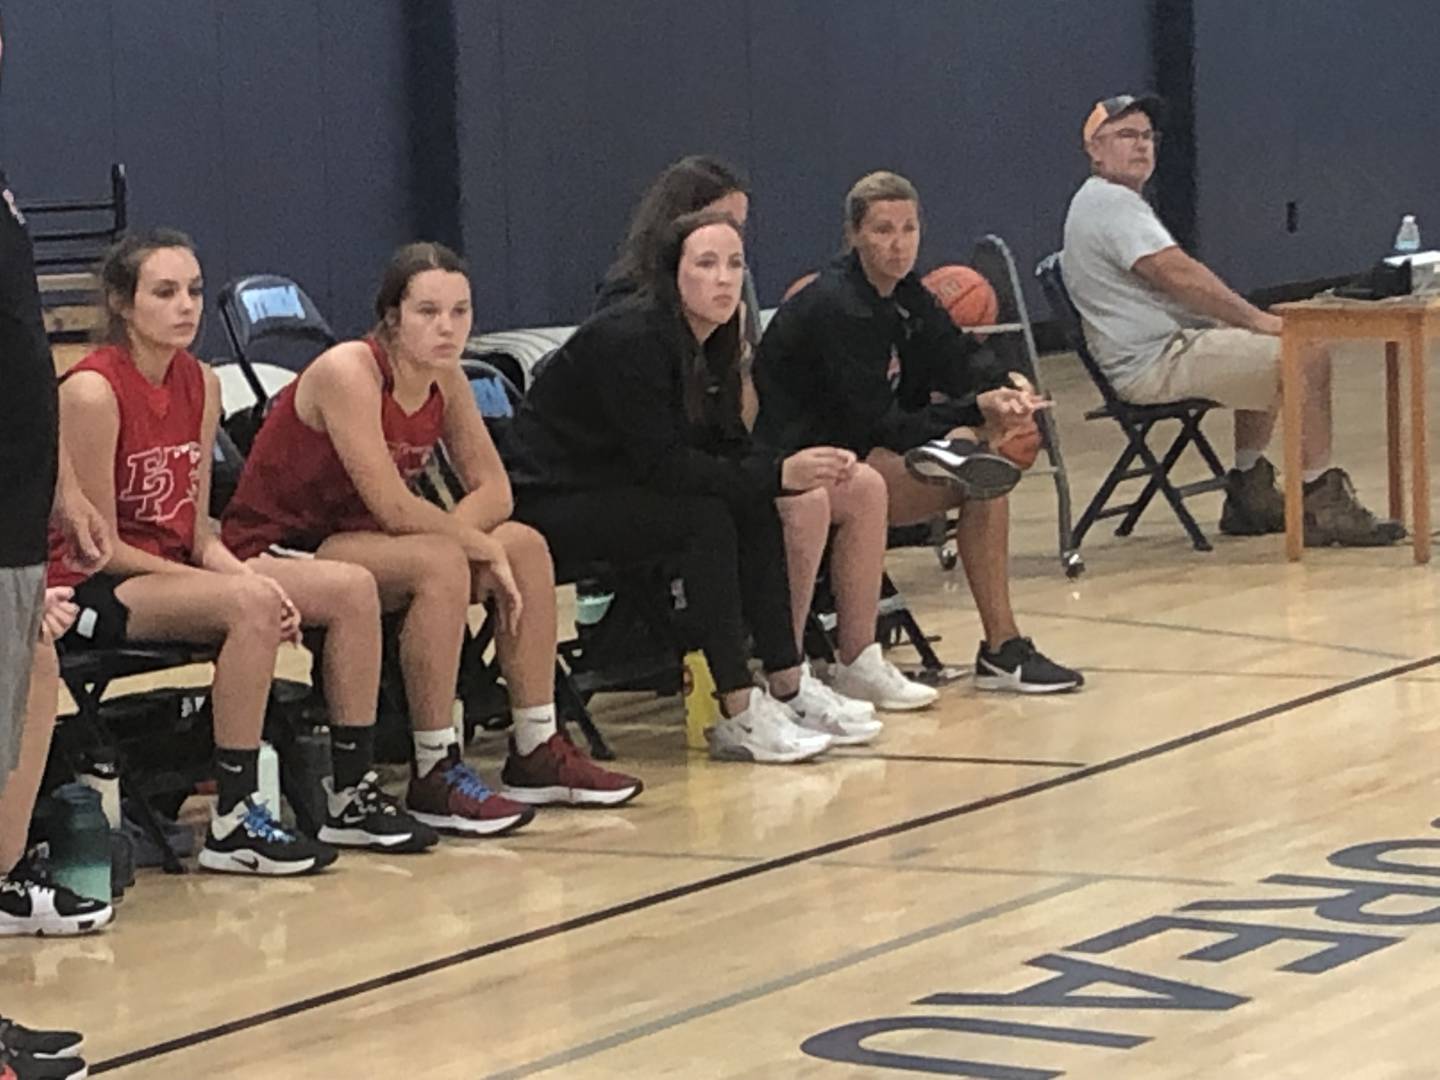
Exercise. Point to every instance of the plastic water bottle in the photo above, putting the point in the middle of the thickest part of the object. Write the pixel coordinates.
(100, 772)
(80, 842)
(1407, 239)
(270, 778)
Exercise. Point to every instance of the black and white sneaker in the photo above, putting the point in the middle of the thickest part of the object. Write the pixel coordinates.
(971, 467)
(1019, 667)
(39, 1044)
(32, 904)
(365, 817)
(17, 1066)
(248, 840)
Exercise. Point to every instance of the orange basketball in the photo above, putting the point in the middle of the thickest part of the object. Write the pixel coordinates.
(964, 294)
(798, 284)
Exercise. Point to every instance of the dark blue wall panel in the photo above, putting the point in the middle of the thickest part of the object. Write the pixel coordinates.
(979, 104)
(1334, 111)
(599, 95)
(277, 131)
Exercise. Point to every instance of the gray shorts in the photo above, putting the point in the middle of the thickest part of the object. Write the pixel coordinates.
(22, 601)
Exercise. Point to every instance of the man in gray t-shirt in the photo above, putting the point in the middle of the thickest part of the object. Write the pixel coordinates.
(1162, 326)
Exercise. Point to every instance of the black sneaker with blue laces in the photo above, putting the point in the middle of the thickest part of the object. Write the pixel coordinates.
(248, 840)
(365, 817)
(1020, 668)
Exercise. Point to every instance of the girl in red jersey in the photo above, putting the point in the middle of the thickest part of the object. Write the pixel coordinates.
(139, 419)
(328, 473)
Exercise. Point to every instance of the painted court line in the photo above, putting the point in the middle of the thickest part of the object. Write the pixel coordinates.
(785, 982)
(742, 873)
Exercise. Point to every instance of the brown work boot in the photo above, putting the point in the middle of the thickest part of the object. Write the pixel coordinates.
(1253, 504)
(1334, 515)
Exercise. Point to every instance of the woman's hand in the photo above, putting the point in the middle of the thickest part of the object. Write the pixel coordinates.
(498, 579)
(289, 613)
(1006, 406)
(58, 614)
(816, 466)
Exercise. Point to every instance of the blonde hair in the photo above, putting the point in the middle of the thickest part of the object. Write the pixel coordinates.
(881, 186)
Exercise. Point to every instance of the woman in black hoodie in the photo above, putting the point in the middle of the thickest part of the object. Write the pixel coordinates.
(631, 446)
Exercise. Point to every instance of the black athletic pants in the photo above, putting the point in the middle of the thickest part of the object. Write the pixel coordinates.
(732, 560)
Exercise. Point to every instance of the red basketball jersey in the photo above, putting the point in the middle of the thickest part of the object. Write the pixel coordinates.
(157, 456)
(295, 491)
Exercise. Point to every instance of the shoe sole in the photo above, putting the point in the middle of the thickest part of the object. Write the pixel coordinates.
(890, 704)
(1004, 684)
(566, 796)
(458, 826)
(978, 476)
(56, 925)
(226, 862)
(764, 757)
(853, 740)
(360, 840)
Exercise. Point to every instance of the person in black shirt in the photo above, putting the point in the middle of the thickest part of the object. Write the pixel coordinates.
(30, 619)
(631, 447)
(848, 519)
(865, 358)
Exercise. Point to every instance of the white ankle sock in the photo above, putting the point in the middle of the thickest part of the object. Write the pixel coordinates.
(431, 748)
(533, 726)
(1311, 475)
(1245, 460)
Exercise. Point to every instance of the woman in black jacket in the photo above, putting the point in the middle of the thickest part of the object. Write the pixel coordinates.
(865, 358)
(631, 447)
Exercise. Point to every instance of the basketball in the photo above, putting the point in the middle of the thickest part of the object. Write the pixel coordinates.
(964, 294)
(798, 284)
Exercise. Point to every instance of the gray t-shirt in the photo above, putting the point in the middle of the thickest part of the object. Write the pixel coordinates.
(1127, 321)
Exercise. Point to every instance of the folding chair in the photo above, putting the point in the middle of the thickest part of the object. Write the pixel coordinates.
(70, 236)
(275, 330)
(1013, 342)
(1136, 421)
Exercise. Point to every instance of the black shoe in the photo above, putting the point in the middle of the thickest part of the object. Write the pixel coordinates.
(253, 842)
(1254, 504)
(1335, 515)
(30, 903)
(17, 1066)
(1019, 667)
(366, 817)
(41, 1044)
(964, 464)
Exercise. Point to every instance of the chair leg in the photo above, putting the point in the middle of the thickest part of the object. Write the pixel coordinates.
(1202, 444)
(1159, 475)
(1107, 488)
(1160, 482)
(570, 705)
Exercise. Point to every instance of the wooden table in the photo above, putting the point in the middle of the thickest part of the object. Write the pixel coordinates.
(1407, 320)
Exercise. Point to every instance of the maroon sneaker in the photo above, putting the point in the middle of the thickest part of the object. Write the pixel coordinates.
(452, 798)
(558, 773)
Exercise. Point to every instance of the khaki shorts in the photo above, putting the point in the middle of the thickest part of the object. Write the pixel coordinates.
(1238, 368)
(22, 600)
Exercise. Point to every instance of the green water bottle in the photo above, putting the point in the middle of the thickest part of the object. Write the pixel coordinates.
(80, 842)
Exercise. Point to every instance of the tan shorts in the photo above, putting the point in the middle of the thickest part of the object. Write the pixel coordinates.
(1238, 368)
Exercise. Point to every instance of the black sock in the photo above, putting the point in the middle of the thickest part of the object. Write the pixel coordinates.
(237, 773)
(352, 752)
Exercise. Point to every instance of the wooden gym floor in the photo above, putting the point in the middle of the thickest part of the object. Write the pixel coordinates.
(1000, 888)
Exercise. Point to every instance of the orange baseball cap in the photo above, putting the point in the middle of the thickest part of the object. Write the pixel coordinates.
(1114, 107)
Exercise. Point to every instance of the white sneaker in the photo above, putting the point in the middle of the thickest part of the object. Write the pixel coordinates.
(818, 708)
(764, 732)
(874, 679)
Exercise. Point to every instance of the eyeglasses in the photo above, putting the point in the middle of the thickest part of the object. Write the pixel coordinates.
(1135, 135)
